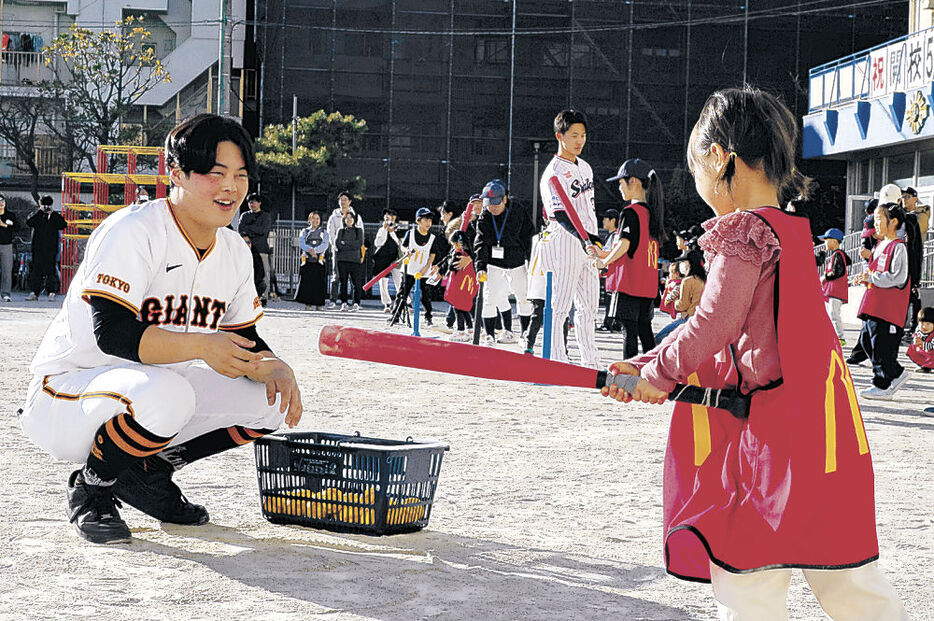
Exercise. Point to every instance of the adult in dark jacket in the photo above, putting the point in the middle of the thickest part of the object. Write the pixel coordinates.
(7, 226)
(350, 260)
(502, 248)
(46, 228)
(256, 225)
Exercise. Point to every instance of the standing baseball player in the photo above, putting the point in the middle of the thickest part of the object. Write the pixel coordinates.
(154, 361)
(502, 247)
(422, 247)
(566, 247)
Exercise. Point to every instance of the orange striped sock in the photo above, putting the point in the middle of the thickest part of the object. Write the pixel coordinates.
(211, 443)
(119, 443)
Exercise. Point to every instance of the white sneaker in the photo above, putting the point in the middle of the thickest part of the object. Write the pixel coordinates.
(507, 337)
(460, 336)
(344, 308)
(6, 298)
(330, 305)
(387, 308)
(355, 307)
(488, 340)
(51, 297)
(874, 392)
(898, 381)
(32, 297)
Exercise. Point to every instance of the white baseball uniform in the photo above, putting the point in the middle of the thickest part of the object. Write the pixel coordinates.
(141, 258)
(568, 186)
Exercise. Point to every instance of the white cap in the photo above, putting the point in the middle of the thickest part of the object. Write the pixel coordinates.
(890, 193)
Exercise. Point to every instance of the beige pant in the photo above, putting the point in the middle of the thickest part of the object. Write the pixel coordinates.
(833, 309)
(858, 594)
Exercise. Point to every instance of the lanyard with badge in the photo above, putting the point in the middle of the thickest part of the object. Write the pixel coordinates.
(497, 252)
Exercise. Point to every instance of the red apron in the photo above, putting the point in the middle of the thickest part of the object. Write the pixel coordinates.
(791, 486)
(669, 307)
(837, 288)
(886, 303)
(919, 356)
(461, 288)
(639, 273)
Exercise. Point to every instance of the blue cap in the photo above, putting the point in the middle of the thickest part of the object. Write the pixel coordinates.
(836, 234)
(424, 212)
(493, 193)
(637, 168)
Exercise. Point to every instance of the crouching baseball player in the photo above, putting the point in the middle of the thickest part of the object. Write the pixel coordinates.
(154, 360)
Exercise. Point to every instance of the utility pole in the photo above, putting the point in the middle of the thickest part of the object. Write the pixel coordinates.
(294, 149)
(222, 72)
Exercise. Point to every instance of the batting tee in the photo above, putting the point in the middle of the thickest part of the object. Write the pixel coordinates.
(82, 218)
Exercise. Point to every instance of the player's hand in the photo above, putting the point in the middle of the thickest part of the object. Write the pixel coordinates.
(591, 251)
(644, 392)
(462, 262)
(866, 253)
(280, 380)
(228, 354)
(917, 341)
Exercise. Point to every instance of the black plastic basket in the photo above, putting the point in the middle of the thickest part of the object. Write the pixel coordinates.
(347, 483)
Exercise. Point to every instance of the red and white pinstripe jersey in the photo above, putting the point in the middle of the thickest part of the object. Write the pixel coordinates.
(141, 258)
(568, 186)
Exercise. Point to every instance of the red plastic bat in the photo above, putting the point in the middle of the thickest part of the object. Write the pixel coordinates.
(490, 363)
(383, 274)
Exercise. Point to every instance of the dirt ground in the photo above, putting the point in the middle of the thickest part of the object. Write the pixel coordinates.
(548, 506)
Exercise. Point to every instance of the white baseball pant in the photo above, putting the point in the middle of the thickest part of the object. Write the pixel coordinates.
(575, 281)
(857, 594)
(833, 309)
(384, 296)
(499, 282)
(64, 411)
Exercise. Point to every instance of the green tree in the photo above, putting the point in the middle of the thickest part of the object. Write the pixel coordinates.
(322, 139)
(20, 120)
(99, 75)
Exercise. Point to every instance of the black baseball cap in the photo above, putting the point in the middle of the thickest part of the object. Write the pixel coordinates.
(494, 193)
(612, 214)
(910, 191)
(637, 168)
(424, 212)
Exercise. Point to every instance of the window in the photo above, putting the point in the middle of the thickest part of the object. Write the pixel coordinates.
(876, 176)
(901, 170)
(862, 178)
(926, 168)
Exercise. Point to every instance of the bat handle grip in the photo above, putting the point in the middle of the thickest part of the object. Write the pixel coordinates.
(722, 398)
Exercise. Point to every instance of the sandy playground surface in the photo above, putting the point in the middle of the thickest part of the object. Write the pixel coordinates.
(548, 506)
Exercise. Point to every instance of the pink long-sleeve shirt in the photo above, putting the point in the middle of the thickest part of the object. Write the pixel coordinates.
(736, 308)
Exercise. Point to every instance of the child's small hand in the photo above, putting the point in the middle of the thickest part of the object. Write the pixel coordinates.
(917, 341)
(866, 253)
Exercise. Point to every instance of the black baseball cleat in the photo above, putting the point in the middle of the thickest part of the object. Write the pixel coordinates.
(92, 509)
(148, 486)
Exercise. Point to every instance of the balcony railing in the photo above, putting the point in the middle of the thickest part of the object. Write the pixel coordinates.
(23, 68)
(899, 65)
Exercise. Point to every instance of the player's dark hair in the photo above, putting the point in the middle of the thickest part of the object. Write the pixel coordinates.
(344, 193)
(754, 126)
(254, 197)
(894, 211)
(192, 144)
(352, 216)
(46, 200)
(390, 212)
(452, 208)
(695, 259)
(926, 314)
(569, 117)
(655, 201)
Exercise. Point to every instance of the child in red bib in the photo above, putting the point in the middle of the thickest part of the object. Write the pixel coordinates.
(885, 303)
(921, 350)
(747, 500)
(834, 282)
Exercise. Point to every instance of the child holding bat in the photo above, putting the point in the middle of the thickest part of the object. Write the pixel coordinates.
(791, 486)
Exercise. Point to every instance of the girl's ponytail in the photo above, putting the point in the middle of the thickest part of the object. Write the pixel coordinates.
(655, 198)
